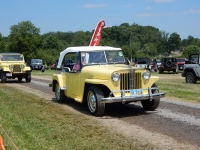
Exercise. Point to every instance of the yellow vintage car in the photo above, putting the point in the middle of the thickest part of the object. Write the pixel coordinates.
(101, 74)
(12, 65)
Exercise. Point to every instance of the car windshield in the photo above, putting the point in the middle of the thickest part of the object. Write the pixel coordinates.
(180, 60)
(142, 60)
(158, 61)
(11, 57)
(102, 57)
(36, 61)
(169, 59)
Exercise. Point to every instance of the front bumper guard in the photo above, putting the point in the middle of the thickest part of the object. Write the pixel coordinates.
(135, 95)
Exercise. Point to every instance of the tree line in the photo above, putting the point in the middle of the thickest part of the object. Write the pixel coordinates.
(135, 41)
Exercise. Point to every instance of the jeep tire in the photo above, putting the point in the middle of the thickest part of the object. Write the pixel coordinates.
(19, 79)
(154, 103)
(59, 94)
(190, 77)
(3, 77)
(94, 95)
(160, 71)
(28, 77)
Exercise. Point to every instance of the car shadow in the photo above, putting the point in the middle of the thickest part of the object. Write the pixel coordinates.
(114, 110)
(13, 81)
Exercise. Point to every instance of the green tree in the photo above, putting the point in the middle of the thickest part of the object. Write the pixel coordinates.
(79, 39)
(2, 44)
(190, 49)
(174, 42)
(24, 38)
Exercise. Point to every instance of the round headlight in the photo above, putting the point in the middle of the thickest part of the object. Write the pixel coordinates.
(22, 66)
(115, 76)
(11, 67)
(146, 75)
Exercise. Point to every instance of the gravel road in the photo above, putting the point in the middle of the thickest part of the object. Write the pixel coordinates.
(174, 125)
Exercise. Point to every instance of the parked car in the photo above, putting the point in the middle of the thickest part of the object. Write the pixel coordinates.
(168, 64)
(103, 76)
(12, 65)
(143, 63)
(158, 62)
(191, 70)
(37, 64)
(180, 62)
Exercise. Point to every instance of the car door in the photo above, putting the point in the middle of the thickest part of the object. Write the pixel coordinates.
(73, 84)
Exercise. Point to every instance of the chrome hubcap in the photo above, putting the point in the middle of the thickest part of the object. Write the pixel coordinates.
(189, 79)
(57, 92)
(91, 101)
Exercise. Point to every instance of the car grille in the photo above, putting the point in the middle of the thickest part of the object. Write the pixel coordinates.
(16, 68)
(130, 80)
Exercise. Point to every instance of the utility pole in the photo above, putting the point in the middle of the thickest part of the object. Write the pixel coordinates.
(131, 47)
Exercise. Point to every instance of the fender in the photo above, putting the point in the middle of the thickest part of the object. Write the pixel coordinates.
(187, 69)
(60, 78)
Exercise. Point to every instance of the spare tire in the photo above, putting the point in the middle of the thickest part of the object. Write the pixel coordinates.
(168, 64)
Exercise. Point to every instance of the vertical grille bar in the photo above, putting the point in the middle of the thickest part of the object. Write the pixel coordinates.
(16, 68)
(130, 80)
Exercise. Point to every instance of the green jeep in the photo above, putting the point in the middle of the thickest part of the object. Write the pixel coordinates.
(12, 65)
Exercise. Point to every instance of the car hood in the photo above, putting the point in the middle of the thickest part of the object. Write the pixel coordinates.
(105, 71)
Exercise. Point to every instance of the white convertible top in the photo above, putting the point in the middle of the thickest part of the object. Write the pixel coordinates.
(84, 48)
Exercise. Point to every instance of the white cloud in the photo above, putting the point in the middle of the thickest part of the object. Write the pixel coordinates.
(163, 1)
(149, 15)
(94, 5)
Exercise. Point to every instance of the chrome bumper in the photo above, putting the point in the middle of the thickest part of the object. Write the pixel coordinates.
(133, 97)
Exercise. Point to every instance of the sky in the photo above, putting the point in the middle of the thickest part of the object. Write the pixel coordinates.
(180, 16)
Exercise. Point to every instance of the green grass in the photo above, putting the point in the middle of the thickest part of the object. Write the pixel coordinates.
(37, 124)
(48, 72)
(175, 87)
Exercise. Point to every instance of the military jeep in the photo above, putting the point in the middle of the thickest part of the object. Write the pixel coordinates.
(168, 64)
(191, 70)
(101, 75)
(12, 65)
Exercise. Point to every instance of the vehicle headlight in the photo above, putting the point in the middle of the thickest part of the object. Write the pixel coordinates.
(146, 75)
(115, 76)
(11, 67)
(22, 66)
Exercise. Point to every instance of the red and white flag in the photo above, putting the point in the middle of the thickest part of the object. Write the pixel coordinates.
(97, 33)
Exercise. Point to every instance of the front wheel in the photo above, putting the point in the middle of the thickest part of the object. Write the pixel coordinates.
(94, 95)
(19, 79)
(28, 77)
(3, 77)
(154, 103)
(59, 94)
(190, 77)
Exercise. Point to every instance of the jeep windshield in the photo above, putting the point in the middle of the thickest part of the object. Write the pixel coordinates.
(180, 60)
(102, 57)
(169, 59)
(36, 61)
(11, 58)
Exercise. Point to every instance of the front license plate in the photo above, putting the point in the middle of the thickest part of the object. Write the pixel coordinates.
(181, 67)
(135, 92)
(9, 74)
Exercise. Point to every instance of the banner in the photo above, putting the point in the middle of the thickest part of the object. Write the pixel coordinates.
(97, 33)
